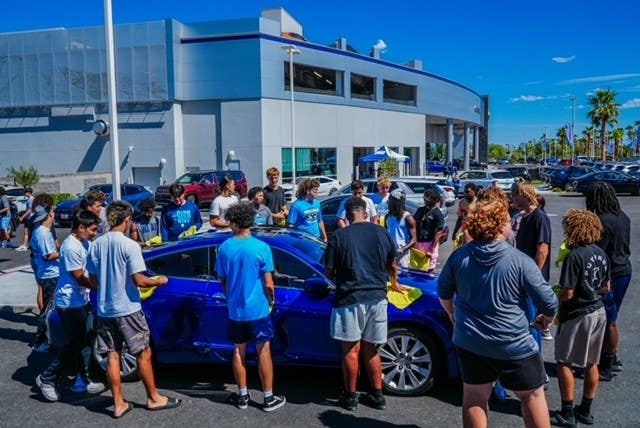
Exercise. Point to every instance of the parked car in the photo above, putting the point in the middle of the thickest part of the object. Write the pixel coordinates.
(487, 178)
(16, 194)
(631, 168)
(188, 317)
(435, 167)
(563, 177)
(331, 205)
(201, 187)
(132, 193)
(413, 187)
(621, 182)
(447, 185)
(519, 171)
(328, 186)
(565, 162)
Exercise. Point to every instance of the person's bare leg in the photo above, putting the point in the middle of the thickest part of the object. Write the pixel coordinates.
(238, 364)
(475, 408)
(535, 412)
(566, 381)
(373, 364)
(115, 383)
(40, 298)
(145, 370)
(591, 381)
(350, 365)
(265, 366)
(611, 338)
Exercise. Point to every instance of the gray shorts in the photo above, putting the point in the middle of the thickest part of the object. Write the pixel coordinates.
(579, 340)
(132, 329)
(360, 321)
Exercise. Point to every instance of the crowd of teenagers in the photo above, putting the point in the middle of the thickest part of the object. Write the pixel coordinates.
(494, 287)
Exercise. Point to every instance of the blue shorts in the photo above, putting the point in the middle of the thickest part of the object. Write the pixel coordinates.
(613, 299)
(5, 224)
(257, 331)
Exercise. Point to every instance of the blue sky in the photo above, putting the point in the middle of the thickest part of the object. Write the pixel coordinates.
(530, 57)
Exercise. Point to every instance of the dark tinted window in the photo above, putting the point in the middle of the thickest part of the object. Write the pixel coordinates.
(502, 174)
(399, 93)
(363, 87)
(191, 177)
(290, 271)
(312, 79)
(193, 263)
(330, 206)
(14, 192)
(418, 187)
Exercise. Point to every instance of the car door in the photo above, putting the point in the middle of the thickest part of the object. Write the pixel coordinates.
(176, 311)
(301, 318)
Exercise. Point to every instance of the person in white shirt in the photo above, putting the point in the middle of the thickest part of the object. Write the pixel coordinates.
(357, 188)
(219, 206)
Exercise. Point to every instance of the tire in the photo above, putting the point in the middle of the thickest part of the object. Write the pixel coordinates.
(128, 363)
(193, 199)
(411, 361)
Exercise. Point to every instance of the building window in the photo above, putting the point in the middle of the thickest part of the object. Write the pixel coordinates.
(399, 93)
(310, 161)
(315, 80)
(363, 87)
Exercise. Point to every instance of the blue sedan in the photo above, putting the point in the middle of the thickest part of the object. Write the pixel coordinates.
(188, 317)
(132, 193)
(621, 182)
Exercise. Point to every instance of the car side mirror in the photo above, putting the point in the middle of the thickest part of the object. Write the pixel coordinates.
(317, 287)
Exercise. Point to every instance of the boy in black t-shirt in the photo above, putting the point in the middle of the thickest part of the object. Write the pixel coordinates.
(275, 198)
(429, 226)
(584, 278)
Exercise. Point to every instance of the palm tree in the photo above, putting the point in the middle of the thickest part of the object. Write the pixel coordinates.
(605, 112)
(562, 136)
(632, 134)
(589, 135)
(637, 125)
(617, 135)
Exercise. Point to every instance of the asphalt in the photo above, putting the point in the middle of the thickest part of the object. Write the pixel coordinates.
(18, 290)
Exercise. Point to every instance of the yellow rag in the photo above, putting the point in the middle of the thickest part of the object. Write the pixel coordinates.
(403, 300)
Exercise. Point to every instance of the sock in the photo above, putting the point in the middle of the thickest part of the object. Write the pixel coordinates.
(567, 409)
(242, 391)
(585, 406)
(268, 394)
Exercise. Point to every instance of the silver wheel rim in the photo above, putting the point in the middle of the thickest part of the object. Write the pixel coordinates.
(128, 362)
(406, 363)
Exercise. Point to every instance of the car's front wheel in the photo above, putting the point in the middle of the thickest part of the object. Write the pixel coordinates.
(410, 362)
(128, 362)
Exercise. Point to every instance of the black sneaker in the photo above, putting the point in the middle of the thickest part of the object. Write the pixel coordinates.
(242, 401)
(348, 401)
(377, 401)
(560, 421)
(582, 416)
(273, 403)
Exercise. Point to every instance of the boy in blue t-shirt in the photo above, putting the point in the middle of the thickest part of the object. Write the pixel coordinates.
(245, 265)
(72, 304)
(179, 215)
(46, 255)
(305, 213)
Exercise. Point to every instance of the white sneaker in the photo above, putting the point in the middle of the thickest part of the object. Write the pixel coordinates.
(48, 390)
(22, 248)
(546, 334)
(95, 387)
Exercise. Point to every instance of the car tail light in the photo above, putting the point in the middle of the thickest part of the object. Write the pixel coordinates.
(447, 188)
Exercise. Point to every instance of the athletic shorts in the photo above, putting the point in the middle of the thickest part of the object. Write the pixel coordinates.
(5, 224)
(525, 374)
(258, 331)
(131, 329)
(613, 299)
(360, 321)
(579, 340)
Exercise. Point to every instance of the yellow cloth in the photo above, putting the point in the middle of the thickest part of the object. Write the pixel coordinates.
(419, 260)
(153, 242)
(403, 300)
(147, 292)
(459, 241)
(189, 232)
(562, 254)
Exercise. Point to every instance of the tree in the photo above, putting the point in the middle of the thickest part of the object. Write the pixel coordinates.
(389, 168)
(605, 112)
(25, 176)
(632, 134)
(497, 151)
(589, 135)
(562, 136)
(617, 135)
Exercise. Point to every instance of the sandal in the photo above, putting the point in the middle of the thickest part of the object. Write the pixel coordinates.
(172, 403)
(127, 410)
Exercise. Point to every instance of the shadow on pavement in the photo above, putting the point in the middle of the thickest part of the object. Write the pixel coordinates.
(334, 418)
(26, 317)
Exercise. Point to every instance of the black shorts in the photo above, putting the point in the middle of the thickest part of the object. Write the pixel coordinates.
(517, 375)
(131, 329)
(258, 331)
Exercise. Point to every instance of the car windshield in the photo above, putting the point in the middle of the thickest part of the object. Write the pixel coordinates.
(15, 192)
(191, 177)
(313, 249)
(502, 174)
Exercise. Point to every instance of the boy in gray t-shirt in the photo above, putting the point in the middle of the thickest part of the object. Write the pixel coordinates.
(116, 267)
(264, 217)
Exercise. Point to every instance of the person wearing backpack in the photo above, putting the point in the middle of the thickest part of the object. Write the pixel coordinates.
(5, 220)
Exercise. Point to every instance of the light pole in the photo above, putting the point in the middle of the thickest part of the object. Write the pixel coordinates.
(292, 50)
(113, 105)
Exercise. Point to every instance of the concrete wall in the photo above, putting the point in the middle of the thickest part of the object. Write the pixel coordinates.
(66, 183)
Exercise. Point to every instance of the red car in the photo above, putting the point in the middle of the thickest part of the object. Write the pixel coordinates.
(566, 162)
(201, 187)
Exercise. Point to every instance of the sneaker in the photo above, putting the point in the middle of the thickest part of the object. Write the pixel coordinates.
(546, 334)
(558, 420)
(377, 401)
(617, 364)
(95, 387)
(48, 390)
(242, 401)
(583, 417)
(22, 248)
(43, 347)
(273, 403)
(348, 401)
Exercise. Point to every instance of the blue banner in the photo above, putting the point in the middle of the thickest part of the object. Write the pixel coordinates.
(569, 132)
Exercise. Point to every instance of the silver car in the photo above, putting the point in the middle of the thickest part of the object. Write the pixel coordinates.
(487, 178)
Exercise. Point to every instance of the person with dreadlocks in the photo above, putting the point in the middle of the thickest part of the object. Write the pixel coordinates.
(584, 278)
(401, 226)
(615, 241)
